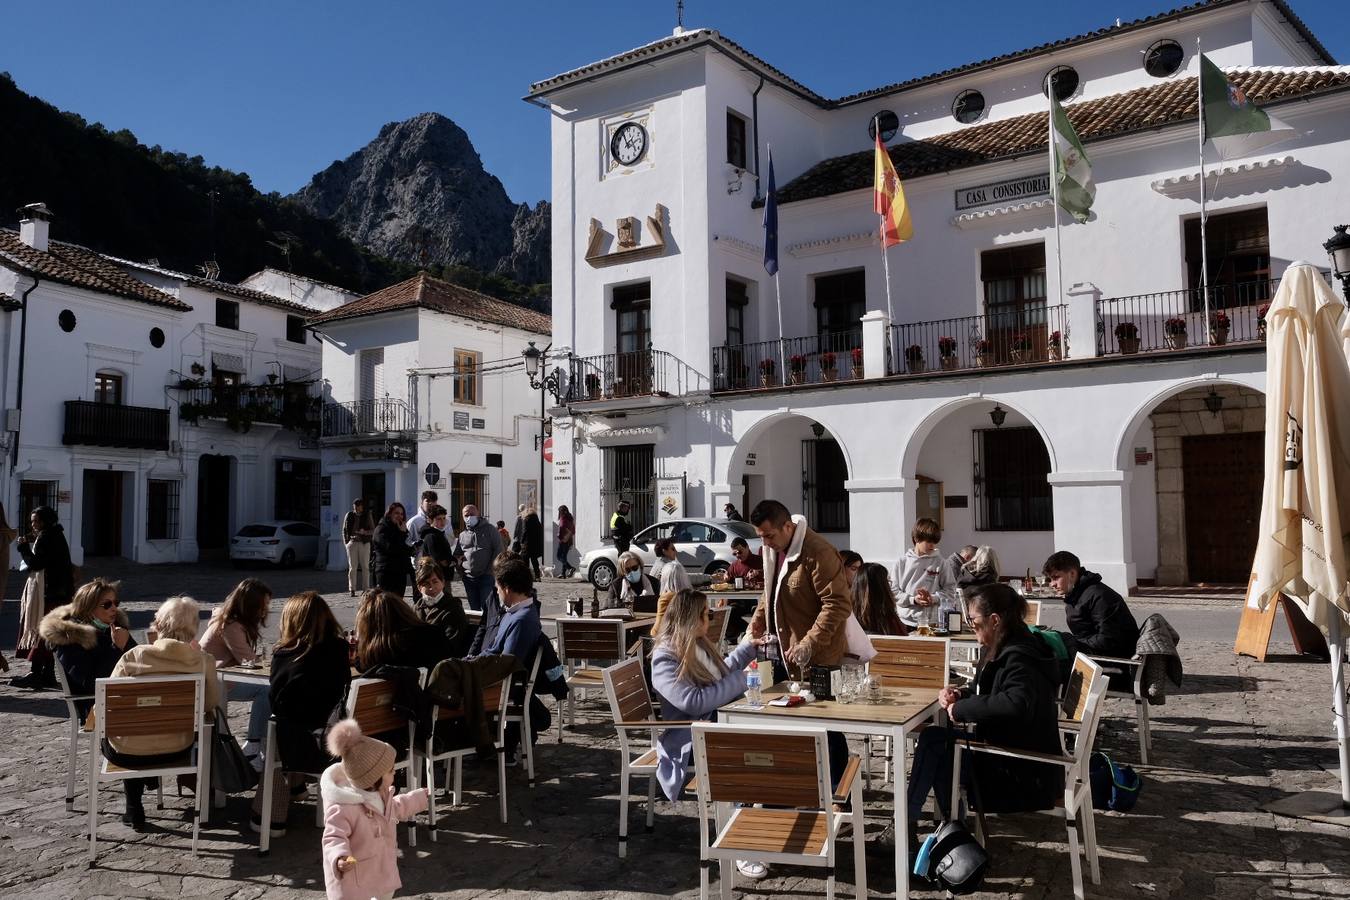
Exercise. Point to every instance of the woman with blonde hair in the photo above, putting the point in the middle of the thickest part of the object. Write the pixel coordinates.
(630, 583)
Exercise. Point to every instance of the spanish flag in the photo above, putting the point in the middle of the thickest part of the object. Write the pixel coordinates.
(888, 200)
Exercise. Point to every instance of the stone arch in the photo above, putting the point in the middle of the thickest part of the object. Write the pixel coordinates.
(746, 442)
(1146, 409)
(909, 459)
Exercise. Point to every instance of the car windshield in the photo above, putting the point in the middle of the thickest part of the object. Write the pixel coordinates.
(257, 531)
(740, 529)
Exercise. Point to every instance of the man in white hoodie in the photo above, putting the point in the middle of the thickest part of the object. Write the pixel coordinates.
(923, 584)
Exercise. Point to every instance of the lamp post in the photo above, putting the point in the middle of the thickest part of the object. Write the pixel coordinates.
(551, 383)
(1338, 248)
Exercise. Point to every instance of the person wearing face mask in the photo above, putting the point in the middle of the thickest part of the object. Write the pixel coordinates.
(436, 606)
(89, 635)
(630, 584)
(475, 549)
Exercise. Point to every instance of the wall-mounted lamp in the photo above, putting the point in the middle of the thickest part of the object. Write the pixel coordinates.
(998, 415)
(1213, 402)
(818, 430)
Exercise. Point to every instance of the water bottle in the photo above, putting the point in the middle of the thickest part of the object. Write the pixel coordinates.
(754, 694)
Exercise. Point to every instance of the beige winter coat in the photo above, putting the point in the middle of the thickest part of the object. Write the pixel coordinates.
(814, 603)
(165, 657)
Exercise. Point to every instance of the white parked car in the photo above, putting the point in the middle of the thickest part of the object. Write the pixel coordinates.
(280, 543)
(702, 545)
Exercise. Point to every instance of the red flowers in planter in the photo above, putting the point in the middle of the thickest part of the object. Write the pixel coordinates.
(857, 355)
(766, 366)
(947, 346)
(1174, 325)
(827, 359)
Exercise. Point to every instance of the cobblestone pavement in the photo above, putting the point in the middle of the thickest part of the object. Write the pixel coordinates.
(1238, 735)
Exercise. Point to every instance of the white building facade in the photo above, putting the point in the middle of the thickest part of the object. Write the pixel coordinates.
(158, 411)
(425, 389)
(1030, 410)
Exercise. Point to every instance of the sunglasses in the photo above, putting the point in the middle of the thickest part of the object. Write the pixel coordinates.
(110, 604)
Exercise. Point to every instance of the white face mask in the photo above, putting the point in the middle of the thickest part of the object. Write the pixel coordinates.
(471, 521)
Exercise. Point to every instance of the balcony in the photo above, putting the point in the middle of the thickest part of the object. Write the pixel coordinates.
(1175, 320)
(367, 418)
(1032, 335)
(113, 425)
(652, 376)
(818, 359)
(242, 406)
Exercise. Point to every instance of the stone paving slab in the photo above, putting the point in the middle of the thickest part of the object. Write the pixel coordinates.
(1239, 735)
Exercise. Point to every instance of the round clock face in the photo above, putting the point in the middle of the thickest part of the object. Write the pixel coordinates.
(628, 144)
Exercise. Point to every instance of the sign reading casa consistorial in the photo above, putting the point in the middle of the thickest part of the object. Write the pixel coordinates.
(1003, 191)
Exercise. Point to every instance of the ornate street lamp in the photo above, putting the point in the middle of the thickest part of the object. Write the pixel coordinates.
(998, 415)
(550, 382)
(1338, 248)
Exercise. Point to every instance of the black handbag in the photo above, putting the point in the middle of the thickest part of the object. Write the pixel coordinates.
(951, 857)
(230, 769)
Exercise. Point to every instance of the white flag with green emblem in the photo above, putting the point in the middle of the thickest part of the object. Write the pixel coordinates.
(1071, 169)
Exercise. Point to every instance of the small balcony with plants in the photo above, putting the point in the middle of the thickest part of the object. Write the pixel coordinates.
(289, 405)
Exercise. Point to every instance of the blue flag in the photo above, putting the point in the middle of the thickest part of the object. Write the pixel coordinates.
(771, 224)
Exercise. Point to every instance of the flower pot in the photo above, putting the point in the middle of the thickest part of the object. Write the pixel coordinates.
(1175, 341)
(1220, 334)
(767, 379)
(984, 360)
(857, 371)
(1019, 356)
(1055, 351)
(948, 362)
(1128, 345)
(796, 376)
(828, 374)
(915, 366)
(1261, 329)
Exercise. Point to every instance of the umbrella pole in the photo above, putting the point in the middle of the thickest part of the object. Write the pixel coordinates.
(1336, 643)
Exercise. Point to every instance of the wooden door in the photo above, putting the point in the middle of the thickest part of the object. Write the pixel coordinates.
(1222, 476)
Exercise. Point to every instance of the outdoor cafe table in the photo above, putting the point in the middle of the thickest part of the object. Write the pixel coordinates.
(899, 712)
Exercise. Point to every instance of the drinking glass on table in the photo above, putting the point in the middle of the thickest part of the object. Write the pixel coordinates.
(1017, 585)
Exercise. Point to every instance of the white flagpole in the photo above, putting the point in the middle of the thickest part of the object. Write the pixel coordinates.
(1204, 244)
(1054, 196)
(892, 353)
(782, 338)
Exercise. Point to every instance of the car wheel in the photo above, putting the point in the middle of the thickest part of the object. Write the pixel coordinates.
(716, 567)
(603, 574)
(288, 559)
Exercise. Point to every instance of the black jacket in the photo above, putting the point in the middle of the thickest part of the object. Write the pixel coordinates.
(390, 556)
(1099, 619)
(86, 652)
(421, 647)
(305, 689)
(50, 554)
(1015, 705)
(647, 586)
(436, 545)
(534, 536)
(447, 614)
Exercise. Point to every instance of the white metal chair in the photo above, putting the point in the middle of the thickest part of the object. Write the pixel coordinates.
(79, 728)
(787, 771)
(495, 700)
(1134, 670)
(920, 663)
(153, 705)
(581, 643)
(1082, 708)
(519, 713)
(1033, 615)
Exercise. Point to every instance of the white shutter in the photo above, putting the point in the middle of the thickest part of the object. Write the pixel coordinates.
(372, 374)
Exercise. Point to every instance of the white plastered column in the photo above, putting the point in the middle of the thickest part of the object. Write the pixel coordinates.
(1092, 521)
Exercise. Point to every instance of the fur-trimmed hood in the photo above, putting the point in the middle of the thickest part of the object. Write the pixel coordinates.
(60, 628)
(337, 790)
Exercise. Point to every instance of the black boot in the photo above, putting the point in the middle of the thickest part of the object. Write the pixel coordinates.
(135, 814)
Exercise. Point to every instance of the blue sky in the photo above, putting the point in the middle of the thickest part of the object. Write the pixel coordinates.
(281, 89)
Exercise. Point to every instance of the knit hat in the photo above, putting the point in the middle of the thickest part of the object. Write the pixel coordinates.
(365, 760)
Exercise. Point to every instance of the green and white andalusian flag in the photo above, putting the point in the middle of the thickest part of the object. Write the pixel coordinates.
(1237, 126)
(1071, 169)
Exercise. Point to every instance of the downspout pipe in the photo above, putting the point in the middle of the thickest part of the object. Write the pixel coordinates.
(754, 114)
(23, 346)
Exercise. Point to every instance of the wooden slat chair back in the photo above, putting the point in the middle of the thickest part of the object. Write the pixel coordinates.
(370, 701)
(581, 643)
(496, 697)
(1073, 706)
(630, 701)
(772, 769)
(149, 706)
(912, 662)
(1033, 615)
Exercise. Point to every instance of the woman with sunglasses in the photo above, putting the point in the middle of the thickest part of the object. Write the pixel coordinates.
(89, 636)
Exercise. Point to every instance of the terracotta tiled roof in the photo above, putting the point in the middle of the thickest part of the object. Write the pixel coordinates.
(427, 292)
(1146, 108)
(708, 37)
(80, 267)
(218, 287)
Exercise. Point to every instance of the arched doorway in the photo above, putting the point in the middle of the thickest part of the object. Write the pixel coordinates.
(982, 470)
(798, 461)
(1195, 515)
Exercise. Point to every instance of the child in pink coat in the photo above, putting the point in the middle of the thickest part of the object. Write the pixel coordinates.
(361, 816)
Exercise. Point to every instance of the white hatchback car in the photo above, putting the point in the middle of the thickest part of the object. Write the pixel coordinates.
(280, 543)
(702, 545)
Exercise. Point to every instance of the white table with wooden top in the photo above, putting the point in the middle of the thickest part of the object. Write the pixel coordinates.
(900, 711)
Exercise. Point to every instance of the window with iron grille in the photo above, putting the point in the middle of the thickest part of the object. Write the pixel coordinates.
(467, 377)
(1012, 492)
(738, 298)
(823, 475)
(33, 494)
(467, 490)
(161, 516)
(1238, 246)
(629, 474)
(841, 300)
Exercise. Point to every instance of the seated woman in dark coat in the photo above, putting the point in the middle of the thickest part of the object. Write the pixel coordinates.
(89, 636)
(389, 633)
(630, 584)
(1013, 705)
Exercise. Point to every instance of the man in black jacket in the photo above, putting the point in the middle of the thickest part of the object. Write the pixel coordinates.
(1098, 617)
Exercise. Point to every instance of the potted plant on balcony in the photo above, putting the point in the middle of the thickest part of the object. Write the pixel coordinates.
(1175, 331)
(1218, 327)
(827, 366)
(796, 369)
(1261, 320)
(198, 369)
(1127, 337)
(984, 352)
(1021, 346)
(1054, 346)
(856, 354)
(191, 412)
(914, 359)
(947, 352)
(592, 386)
(766, 376)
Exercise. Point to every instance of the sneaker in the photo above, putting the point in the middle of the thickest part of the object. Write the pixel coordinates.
(752, 869)
(255, 823)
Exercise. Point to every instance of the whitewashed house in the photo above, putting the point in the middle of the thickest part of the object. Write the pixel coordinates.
(425, 389)
(155, 410)
(1038, 424)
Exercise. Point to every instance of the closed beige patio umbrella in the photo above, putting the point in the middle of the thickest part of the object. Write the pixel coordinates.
(1302, 547)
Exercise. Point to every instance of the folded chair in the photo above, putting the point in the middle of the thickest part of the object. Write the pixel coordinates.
(768, 791)
(495, 699)
(1082, 709)
(153, 705)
